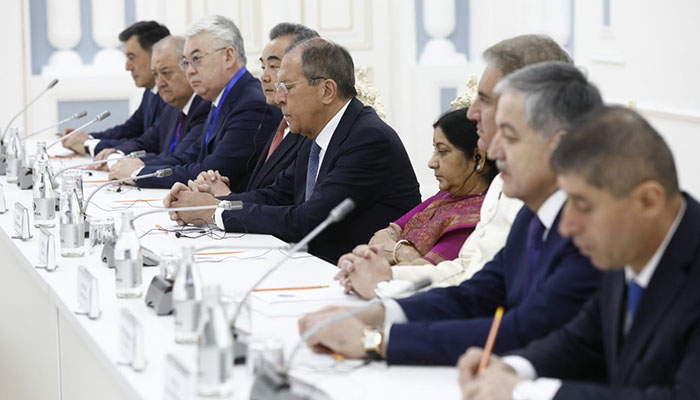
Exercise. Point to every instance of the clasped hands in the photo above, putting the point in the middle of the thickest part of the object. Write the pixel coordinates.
(200, 192)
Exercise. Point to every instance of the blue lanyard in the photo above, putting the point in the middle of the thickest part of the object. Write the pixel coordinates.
(228, 88)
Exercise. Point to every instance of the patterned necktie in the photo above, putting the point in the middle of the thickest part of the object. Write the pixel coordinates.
(634, 296)
(312, 169)
(277, 139)
(176, 137)
(534, 247)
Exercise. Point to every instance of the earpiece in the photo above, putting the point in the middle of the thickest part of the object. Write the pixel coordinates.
(477, 158)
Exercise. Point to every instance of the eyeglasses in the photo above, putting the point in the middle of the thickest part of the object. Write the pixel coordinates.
(287, 86)
(196, 60)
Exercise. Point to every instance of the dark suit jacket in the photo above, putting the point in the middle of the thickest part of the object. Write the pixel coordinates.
(158, 138)
(365, 161)
(143, 118)
(244, 124)
(660, 357)
(445, 322)
(265, 172)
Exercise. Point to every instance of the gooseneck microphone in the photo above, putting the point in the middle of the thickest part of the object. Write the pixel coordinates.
(99, 117)
(336, 214)
(133, 154)
(77, 115)
(157, 174)
(50, 85)
(225, 204)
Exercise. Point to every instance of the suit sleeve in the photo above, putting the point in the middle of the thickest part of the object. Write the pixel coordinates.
(149, 141)
(356, 174)
(465, 312)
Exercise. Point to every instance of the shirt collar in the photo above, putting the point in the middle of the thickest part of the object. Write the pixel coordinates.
(324, 138)
(644, 277)
(186, 108)
(549, 210)
(154, 89)
(216, 101)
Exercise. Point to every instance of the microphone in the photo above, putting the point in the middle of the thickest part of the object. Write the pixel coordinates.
(273, 383)
(225, 204)
(157, 174)
(134, 154)
(50, 85)
(77, 115)
(99, 117)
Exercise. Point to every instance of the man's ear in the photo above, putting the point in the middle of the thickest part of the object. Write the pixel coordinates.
(329, 91)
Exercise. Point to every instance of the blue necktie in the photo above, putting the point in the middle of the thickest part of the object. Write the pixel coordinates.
(178, 128)
(534, 247)
(634, 296)
(210, 119)
(312, 169)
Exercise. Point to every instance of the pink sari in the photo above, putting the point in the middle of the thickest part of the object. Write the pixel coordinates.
(438, 227)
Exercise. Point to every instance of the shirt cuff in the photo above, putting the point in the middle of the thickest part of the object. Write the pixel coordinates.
(91, 144)
(539, 389)
(393, 314)
(219, 218)
(522, 366)
(111, 161)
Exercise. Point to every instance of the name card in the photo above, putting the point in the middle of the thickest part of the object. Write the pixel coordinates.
(3, 205)
(131, 342)
(21, 216)
(47, 251)
(88, 294)
(179, 381)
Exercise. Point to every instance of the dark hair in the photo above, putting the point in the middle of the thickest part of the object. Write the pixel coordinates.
(615, 149)
(461, 133)
(556, 95)
(512, 54)
(148, 33)
(323, 58)
(298, 32)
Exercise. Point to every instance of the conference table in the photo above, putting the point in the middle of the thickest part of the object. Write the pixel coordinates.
(49, 351)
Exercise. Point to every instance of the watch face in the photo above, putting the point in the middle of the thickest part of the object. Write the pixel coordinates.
(372, 339)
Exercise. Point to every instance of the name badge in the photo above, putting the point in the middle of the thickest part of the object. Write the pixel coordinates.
(47, 251)
(88, 294)
(21, 216)
(131, 343)
(179, 383)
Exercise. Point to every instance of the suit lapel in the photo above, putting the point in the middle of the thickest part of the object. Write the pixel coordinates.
(226, 105)
(284, 147)
(339, 136)
(664, 287)
(169, 123)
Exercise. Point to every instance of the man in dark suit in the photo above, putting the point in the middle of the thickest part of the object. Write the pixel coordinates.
(639, 337)
(283, 146)
(138, 40)
(349, 153)
(539, 277)
(180, 123)
(239, 121)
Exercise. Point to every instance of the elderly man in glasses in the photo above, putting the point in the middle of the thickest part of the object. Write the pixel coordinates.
(239, 121)
(348, 152)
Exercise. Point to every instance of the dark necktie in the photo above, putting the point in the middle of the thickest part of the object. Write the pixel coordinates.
(312, 169)
(277, 139)
(210, 120)
(534, 248)
(178, 128)
(634, 296)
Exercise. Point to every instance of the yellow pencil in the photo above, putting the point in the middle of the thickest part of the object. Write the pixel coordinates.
(491, 340)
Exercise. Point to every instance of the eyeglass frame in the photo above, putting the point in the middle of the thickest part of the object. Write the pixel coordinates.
(285, 85)
(196, 61)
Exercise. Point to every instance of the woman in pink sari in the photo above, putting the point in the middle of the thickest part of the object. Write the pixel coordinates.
(436, 229)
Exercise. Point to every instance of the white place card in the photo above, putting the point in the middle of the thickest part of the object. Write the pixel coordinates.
(87, 294)
(131, 342)
(21, 217)
(47, 251)
(179, 383)
(3, 205)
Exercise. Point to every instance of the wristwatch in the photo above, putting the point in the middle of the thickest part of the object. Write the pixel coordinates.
(372, 340)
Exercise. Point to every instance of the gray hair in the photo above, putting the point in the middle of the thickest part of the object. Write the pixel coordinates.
(615, 149)
(322, 58)
(556, 95)
(515, 53)
(298, 32)
(177, 43)
(223, 32)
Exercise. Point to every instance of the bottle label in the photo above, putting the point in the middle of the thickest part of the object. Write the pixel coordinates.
(72, 236)
(128, 274)
(187, 316)
(44, 209)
